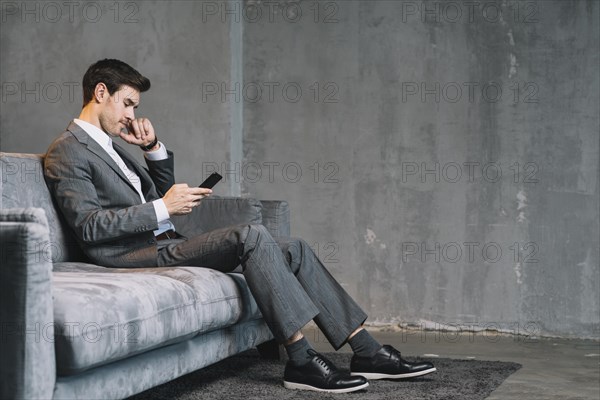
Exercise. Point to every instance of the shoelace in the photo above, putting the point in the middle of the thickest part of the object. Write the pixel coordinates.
(398, 359)
(322, 361)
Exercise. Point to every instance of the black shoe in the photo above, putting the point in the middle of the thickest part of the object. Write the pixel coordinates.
(321, 375)
(387, 364)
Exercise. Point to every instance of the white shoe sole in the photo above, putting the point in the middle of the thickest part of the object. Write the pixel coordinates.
(300, 386)
(374, 376)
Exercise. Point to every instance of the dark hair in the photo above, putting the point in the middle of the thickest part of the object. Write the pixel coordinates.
(114, 74)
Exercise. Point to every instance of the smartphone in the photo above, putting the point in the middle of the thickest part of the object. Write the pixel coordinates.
(211, 181)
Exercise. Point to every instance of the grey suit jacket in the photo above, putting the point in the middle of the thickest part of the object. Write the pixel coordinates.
(100, 204)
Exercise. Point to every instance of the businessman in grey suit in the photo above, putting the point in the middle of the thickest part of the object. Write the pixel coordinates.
(120, 210)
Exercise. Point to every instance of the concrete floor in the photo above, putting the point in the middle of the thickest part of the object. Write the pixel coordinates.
(552, 369)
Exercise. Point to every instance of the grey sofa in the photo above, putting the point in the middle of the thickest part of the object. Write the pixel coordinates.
(71, 329)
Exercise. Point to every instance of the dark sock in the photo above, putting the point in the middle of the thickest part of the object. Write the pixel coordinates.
(298, 352)
(363, 344)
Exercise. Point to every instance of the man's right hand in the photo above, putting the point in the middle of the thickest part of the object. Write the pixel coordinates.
(181, 198)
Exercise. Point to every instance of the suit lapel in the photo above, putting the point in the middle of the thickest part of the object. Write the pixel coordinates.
(132, 164)
(95, 148)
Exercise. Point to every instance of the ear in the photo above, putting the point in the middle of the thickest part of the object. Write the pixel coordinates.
(101, 93)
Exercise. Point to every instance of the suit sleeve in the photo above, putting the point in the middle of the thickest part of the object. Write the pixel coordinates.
(87, 196)
(162, 173)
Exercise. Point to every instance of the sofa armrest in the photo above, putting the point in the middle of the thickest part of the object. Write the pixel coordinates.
(218, 212)
(27, 365)
(276, 217)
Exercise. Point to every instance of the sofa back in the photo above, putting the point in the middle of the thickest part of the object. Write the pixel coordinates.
(22, 185)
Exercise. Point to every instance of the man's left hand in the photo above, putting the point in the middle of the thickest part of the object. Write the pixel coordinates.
(139, 132)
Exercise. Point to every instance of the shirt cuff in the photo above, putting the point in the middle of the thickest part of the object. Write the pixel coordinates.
(158, 154)
(162, 214)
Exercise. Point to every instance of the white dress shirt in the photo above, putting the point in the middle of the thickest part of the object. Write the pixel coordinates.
(105, 141)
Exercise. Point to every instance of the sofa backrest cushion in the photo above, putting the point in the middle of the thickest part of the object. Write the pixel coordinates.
(22, 186)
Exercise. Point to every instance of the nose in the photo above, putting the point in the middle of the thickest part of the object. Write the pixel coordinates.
(129, 113)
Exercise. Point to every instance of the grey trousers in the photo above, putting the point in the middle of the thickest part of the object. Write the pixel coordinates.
(289, 283)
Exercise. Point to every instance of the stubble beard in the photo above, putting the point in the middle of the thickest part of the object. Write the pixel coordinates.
(111, 129)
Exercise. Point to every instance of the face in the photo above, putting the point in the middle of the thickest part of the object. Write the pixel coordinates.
(117, 110)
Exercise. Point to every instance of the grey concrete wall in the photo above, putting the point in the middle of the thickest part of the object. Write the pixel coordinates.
(441, 158)
(449, 160)
(46, 48)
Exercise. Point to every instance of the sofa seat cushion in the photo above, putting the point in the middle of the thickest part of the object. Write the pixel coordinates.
(105, 314)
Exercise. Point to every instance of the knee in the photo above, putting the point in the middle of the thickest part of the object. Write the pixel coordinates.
(294, 251)
(258, 230)
(257, 233)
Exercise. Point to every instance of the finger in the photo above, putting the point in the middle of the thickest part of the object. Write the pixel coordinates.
(147, 126)
(131, 128)
(136, 129)
(199, 190)
(143, 128)
(125, 136)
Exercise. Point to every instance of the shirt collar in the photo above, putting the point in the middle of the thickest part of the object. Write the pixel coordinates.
(95, 133)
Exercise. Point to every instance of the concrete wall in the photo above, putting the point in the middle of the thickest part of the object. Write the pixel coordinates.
(442, 158)
(457, 154)
(46, 48)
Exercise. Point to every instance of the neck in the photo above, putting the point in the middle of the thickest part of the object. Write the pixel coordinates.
(89, 115)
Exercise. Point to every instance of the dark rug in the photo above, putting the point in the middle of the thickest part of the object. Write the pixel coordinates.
(247, 376)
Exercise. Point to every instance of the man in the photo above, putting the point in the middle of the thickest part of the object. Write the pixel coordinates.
(121, 219)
